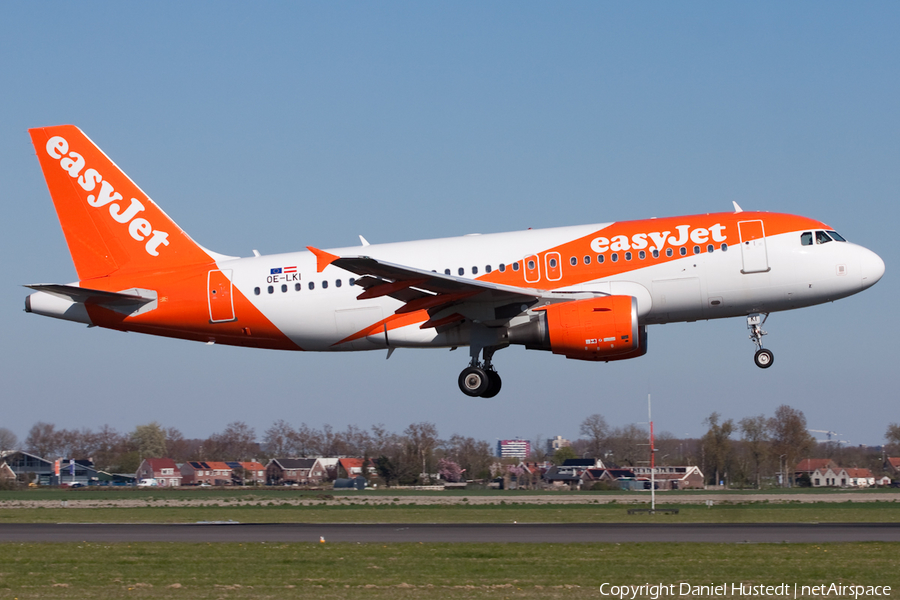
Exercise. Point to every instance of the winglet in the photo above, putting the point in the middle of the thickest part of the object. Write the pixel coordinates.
(323, 259)
(737, 208)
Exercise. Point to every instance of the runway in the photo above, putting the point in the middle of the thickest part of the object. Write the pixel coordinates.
(502, 533)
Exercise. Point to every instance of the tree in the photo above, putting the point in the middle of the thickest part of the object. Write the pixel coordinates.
(8, 439)
(421, 440)
(149, 440)
(717, 445)
(892, 435)
(473, 456)
(629, 445)
(563, 454)
(279, 440)
(790, 439)
(449, 470)
(44, 440)
(755, 435)
(236, 442)
(595, 429)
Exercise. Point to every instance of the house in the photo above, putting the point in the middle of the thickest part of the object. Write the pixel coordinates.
(830, 477)
(861, 478)
(251, 472)
(6, 474)
(808, 466)
(324, 469)
(884, 481)
(163, 470)
(207, 472)
(287, 471)
(352, 467)
(612, 477)
(892, 465)
(672, 478)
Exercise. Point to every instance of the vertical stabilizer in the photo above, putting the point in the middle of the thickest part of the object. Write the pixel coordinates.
(111, 226)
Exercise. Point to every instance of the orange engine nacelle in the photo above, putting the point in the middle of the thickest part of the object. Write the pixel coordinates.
(603, 328)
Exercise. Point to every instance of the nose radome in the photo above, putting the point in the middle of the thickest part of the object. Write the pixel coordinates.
(872, 268)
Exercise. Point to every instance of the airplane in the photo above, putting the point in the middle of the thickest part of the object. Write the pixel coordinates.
(586, 292)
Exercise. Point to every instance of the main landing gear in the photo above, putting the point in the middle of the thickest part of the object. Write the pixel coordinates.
(763, 357)
(480, 379)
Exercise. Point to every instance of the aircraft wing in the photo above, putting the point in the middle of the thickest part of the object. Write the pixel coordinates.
(420, 289)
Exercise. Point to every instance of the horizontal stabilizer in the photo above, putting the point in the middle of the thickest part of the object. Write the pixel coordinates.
(97, 297)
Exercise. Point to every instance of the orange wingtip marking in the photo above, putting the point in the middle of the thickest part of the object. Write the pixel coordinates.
(323, 259)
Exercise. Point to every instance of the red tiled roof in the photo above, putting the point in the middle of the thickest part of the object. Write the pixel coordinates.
(158, 464)
(859, 473)
(811, 464)
(894, 462)
(253, 466)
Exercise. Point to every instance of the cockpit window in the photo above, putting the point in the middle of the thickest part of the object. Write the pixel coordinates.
(822, 237)
(806, 238)
(836, 236)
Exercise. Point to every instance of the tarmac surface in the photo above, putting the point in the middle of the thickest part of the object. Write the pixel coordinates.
(502, 533)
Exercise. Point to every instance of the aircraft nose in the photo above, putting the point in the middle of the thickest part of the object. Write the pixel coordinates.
(872, 268)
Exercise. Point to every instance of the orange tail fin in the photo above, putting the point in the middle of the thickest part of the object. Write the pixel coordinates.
(111, 226)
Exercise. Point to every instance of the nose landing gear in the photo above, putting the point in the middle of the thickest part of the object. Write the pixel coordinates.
(480, 379)
(763, 357)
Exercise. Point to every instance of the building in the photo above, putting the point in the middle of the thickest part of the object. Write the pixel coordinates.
(861, 478)
(808, 466)
(289, 471)
(557, 443)
(209, 472)
(31, 467)
(163, 470)
(672, 478)
(513, 448)
(830, 477)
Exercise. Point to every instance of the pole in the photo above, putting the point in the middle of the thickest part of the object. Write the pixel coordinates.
(652, 461)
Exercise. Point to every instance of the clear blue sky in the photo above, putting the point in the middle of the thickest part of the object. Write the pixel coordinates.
(278, 125)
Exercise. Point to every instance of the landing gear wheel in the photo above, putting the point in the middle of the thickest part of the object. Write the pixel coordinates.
(763, 358)
(474, 381)
(494, 383)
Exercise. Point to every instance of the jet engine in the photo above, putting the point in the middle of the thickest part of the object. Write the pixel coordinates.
(604, 328)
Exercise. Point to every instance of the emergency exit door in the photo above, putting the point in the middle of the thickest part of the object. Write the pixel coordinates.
(221, 305)
(753, 247)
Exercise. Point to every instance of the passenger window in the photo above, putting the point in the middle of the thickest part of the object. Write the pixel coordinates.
(351, 282)
(515, 266)
(724, 247)
(271, 290)
(531, 265)
(487, 268)
(461, 271)
(710, 248)
(642, 255)
(682, 251)
(615, 257)
(337, 283)
(668, 252)
(502, 268)
(573, 261)
(474, 270)
(822, 237)
(283, 288)
(587, 260)
(696, 249)
(552, 263)
(312, 285)
(600, 258)
(836, 236)
(256, 291)
(806, 238)
(628, 256)
(446, 271)
(324, 285)
(655, 253)
(297, 287)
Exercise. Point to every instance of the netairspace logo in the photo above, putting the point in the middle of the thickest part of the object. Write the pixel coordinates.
(654, 591)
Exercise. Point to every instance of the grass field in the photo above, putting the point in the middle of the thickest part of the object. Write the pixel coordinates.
(870, 512)
(375, 571)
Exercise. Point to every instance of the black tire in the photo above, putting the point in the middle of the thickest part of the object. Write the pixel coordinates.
(763, 358)
(494, 384)
(473, 381)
